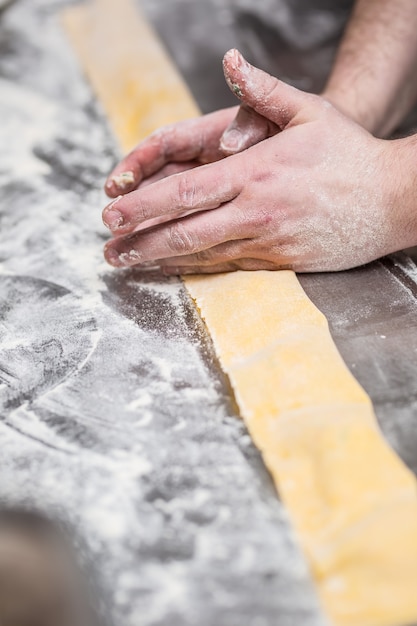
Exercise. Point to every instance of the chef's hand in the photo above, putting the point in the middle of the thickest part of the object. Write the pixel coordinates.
(185, 145)
(321, 195)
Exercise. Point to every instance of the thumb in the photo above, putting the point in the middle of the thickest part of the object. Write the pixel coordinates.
(268, 96)
(247, 129)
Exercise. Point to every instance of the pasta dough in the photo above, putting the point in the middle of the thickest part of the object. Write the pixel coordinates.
(352, 501)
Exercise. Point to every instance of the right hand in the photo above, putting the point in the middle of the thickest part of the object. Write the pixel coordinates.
(322, 195)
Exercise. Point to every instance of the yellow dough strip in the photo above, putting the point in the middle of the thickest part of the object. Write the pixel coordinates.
(131, 73)
(352, 501)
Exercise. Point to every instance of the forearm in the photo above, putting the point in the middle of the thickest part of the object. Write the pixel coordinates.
(374, 77)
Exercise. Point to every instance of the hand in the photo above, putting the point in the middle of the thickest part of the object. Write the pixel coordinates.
(321, 195)
(183, 146)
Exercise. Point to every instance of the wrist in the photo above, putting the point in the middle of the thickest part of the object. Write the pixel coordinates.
(401, 190)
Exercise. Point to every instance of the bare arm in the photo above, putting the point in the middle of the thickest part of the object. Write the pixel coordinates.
(374, 77)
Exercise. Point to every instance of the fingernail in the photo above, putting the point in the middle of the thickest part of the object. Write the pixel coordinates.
(112, 218)
(235, 67)
(124, 180)
(235, 60)
(241, 62)
(231, 141)
(112, 257)
(232, 56)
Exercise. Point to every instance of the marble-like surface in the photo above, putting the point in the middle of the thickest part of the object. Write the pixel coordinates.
(115, 418)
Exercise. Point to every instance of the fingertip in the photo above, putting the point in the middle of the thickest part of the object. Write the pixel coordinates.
(234, 60)
(121, 252)
(120, 184)
(112, 218)
(235, 68)
(112, 256)
(232, 142)
(110, 189)
(232, 57)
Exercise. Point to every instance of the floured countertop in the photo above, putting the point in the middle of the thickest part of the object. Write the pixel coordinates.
(115, 418)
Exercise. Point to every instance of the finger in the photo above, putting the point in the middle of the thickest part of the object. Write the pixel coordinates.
(203, 188)
(247, 129)
(226, 252)
(192, 139)
(238, 251)
(168, 170)
(188, 236)
(221, 268)
(248, 265)
(268, 96)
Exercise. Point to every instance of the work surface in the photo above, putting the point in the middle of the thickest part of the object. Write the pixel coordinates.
(115, 417)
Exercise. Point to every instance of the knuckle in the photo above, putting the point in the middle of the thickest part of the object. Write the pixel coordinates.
(142, 211)
(186, 192)
(272, 90)
(180, 240)
(258, 220)
(162, 137)
(264, 217)
(160, 133)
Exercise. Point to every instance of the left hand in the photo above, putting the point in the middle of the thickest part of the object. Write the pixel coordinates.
(182, 146)
(315, 197)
